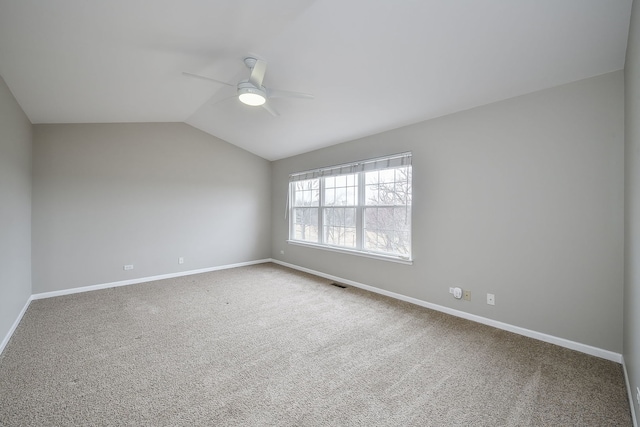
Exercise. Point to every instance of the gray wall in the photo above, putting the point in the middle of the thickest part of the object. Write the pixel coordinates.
(15, 209)
(106, 195)
(521, 198)
(632, 214)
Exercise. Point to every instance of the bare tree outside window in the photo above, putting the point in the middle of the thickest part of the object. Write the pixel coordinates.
(339, 210)
(306, 199)
(387, 212)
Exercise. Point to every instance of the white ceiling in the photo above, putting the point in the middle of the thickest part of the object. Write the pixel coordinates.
(373, 65)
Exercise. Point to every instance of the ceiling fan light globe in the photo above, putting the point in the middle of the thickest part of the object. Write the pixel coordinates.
(251, 96)
(252, 99)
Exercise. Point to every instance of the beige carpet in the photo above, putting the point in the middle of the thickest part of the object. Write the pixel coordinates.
(268, 346)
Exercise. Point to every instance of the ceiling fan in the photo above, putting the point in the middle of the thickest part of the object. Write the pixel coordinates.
(251, 91)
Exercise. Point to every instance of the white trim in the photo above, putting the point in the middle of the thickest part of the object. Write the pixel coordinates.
(142, 280)
(630, 394)
(360, 207)
(562, 342)
(43, 295)
(351, 252)
(6, 339)
(584, 348)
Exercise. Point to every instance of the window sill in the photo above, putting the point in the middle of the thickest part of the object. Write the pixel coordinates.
(352, 252)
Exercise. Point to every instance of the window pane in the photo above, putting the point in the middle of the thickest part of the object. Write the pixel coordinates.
(341, 196)
(371, 219)
(387, 229)
(371, 195)
(350, 217)
(306, 193)
(403, 243)
(403, 186)
(305, 224)
(351, 196)
(399, 195)
(371, 177)
(402, 218)
(340, 236)
(340, 227)
(386, 176)
(374, 241)
(387, 217)
(343, 217)
(329, 181)
(330, 196)
(392, 188)
(341, 190)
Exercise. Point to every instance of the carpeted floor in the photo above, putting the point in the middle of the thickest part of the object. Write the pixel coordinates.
(268, 346)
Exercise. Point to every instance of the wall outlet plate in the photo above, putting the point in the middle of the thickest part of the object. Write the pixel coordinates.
(491, 299)
(467, 295)
(128, 267)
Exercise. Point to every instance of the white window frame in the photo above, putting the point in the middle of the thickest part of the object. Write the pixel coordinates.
(359, 169)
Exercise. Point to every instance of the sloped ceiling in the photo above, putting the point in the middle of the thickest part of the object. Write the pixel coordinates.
(372, 65)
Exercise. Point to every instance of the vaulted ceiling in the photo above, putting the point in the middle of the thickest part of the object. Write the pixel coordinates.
(372, 65)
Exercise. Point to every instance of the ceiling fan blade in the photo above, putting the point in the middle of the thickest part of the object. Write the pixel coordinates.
(197, 76)
(275, 93)
(267, 106)
(257, 73)
(220, 101)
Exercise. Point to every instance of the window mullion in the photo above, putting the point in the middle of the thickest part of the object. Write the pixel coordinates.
(291, 211)
(359, 212)
(321, 212)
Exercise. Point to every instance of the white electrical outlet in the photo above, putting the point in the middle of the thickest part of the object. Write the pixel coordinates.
(181, 260)
(491, 299)
(128, 267)
(450, 290)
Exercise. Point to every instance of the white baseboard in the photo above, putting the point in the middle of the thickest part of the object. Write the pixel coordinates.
(630, 394)
(6, 339)
(42, 295)
(142, 280)
(594, 351)
(584, 348)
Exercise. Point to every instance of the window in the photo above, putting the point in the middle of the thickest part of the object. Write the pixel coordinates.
(387, 211)
(339, 210)
(305, 210)
(363, 207)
